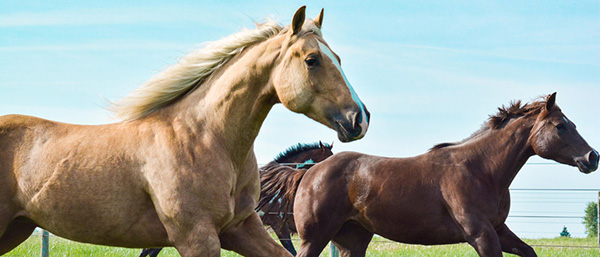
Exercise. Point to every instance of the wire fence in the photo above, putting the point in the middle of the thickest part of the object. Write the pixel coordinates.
(545, 212)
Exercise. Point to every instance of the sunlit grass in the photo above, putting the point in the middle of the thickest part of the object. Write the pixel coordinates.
(378, 247)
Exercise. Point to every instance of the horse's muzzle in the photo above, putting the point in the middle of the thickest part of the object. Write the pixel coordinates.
(354, 126)
(588, 163)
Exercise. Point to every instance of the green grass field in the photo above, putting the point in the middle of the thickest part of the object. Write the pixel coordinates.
(378, 247)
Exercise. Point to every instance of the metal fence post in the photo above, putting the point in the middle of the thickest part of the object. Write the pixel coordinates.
(334, 251)
(45, 243)
(598, 218)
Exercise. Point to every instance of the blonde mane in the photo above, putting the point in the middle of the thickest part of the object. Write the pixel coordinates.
(190, 71)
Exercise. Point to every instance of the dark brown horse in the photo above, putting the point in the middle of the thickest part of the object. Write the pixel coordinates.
(300, 156)
(456, 192)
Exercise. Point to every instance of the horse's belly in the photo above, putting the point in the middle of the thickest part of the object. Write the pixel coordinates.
(427, 225)
(109, 216)
(425, 234)
(141, 229)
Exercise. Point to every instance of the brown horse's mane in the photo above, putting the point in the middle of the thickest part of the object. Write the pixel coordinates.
(293, 150)
(505, 114)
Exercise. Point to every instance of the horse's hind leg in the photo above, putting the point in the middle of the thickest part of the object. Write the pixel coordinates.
(316, 235)
(352, 240)
(16, 232)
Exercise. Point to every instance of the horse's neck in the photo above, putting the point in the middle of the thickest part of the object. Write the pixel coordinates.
(505, 151)
(297, 158)
(234, 102)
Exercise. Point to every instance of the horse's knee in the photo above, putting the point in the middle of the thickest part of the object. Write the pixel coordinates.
(205, 246)
(201, 239)
(250, 238)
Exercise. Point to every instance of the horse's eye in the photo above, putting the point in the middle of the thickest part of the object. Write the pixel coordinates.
(560, 127)
(311, 62)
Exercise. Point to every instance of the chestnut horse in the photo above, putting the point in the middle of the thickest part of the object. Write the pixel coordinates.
(456, 192)
(180, 169)
(299, 156)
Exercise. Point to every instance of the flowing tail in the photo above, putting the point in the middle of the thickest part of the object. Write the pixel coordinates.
(278, 186)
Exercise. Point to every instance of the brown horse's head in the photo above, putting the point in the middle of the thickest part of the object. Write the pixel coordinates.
(555, 137)
(310, 80)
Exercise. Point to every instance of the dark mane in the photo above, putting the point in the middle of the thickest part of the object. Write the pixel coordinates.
(504, 115)
(513, 111)
(293, 150)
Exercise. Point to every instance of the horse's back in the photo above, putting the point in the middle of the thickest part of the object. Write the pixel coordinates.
(19, 136)
(15, 130)
(20, 132)
(14, 125)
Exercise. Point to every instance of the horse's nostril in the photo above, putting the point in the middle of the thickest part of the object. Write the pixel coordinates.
(357, 121)
(593, 158)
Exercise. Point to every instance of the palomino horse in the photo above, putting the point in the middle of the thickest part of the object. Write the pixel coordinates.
(454, 193)
(180, 169)
(300, 156)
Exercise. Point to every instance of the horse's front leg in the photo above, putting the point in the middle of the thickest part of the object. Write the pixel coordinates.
(198, 241)
(249, 238)
(513, 244)
(480, 234)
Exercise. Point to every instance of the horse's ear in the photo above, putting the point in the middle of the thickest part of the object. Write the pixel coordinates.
(321, 145)
(298, 20)
(319, 20)
(550, 102)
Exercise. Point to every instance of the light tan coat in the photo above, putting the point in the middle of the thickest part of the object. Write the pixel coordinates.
(180, 171)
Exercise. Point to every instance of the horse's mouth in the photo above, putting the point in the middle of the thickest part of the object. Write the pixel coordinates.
(347, 135)
(586, 167)
(343, 134)
(353, 127)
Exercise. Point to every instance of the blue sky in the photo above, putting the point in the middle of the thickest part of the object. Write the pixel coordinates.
(428, 72)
